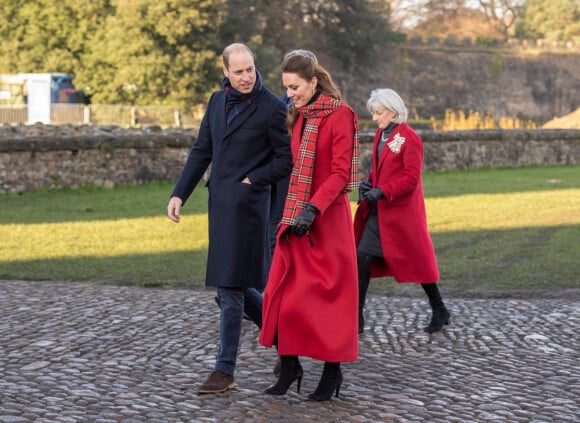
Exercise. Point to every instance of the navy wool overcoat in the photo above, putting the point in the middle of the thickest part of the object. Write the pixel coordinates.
(255, 145)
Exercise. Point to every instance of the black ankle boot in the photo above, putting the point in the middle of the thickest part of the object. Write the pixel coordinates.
(329, 382)
(290, 371)
(439, 318)
(440, 314)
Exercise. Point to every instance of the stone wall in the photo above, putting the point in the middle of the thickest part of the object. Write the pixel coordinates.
(54, 157)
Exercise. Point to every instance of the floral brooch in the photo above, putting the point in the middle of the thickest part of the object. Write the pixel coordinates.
(395, 145)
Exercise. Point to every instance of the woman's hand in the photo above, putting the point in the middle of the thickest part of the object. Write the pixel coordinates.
(304, 220)
(373, 195)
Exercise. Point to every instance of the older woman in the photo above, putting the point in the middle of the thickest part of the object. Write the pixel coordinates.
(390, 222)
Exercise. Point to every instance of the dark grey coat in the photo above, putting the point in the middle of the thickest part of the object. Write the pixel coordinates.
(255, 145)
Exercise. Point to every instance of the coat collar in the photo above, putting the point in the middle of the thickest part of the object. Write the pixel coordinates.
(224, 131)
(241, 118)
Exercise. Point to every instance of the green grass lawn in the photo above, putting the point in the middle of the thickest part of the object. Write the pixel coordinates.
(495, 231)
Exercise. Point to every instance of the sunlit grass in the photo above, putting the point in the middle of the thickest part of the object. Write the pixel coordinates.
(494, 229)
(503, 211)
(106, 238)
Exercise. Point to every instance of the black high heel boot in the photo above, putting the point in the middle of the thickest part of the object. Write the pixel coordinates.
(439, 318)
(329, 382)
(441, 315)
(291, 370)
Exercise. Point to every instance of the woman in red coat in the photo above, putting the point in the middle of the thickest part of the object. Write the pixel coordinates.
(390, 222)
(311, 298)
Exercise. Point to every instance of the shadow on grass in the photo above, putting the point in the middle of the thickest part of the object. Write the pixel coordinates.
(95, 204)
(506, 263)
(179, 269)
(150, 200)
(514, 263)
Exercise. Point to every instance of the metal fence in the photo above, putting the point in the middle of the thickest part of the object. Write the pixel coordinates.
(13, 113)
(108, 114)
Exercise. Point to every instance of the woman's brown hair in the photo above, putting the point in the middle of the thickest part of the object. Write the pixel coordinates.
(306, 68)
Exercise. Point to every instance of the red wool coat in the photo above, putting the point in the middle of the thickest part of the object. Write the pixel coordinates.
(407, 247)
(311, 298)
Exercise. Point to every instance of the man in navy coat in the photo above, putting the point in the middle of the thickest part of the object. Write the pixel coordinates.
(243, 136)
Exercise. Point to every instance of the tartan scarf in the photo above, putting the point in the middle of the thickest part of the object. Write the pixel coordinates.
(236, 102)
(301, 178)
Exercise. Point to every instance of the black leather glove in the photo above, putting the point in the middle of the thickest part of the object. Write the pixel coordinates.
(373, 195)
(364, 186)
(304, 220)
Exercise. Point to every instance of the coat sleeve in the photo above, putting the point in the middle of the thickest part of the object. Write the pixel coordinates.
(198, 160)
(342, 139)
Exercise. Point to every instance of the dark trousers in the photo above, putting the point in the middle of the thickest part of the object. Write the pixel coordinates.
(233, 303)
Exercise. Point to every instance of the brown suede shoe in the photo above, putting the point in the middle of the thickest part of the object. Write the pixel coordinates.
(217, 382)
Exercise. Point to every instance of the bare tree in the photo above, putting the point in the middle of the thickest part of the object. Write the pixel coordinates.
(502, 13)
(406, 14)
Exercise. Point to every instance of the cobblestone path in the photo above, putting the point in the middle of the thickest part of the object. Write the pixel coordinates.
(72, 352)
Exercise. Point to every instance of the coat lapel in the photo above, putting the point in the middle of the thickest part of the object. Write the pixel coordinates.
(222, 131)
(220, 118)
(384, 152)
(387, 150)
(380, 160)
(241, 118)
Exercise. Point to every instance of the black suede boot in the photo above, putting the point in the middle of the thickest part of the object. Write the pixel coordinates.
(290, 371)
(441, 315)
(329, 382)
(364, 278)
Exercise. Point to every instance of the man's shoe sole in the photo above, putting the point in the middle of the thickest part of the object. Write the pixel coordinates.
(207, 391)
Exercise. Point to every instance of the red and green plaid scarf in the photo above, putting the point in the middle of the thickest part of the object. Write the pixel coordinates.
(301, 177)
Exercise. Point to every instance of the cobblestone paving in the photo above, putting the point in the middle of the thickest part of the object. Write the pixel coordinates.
(73, 352)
